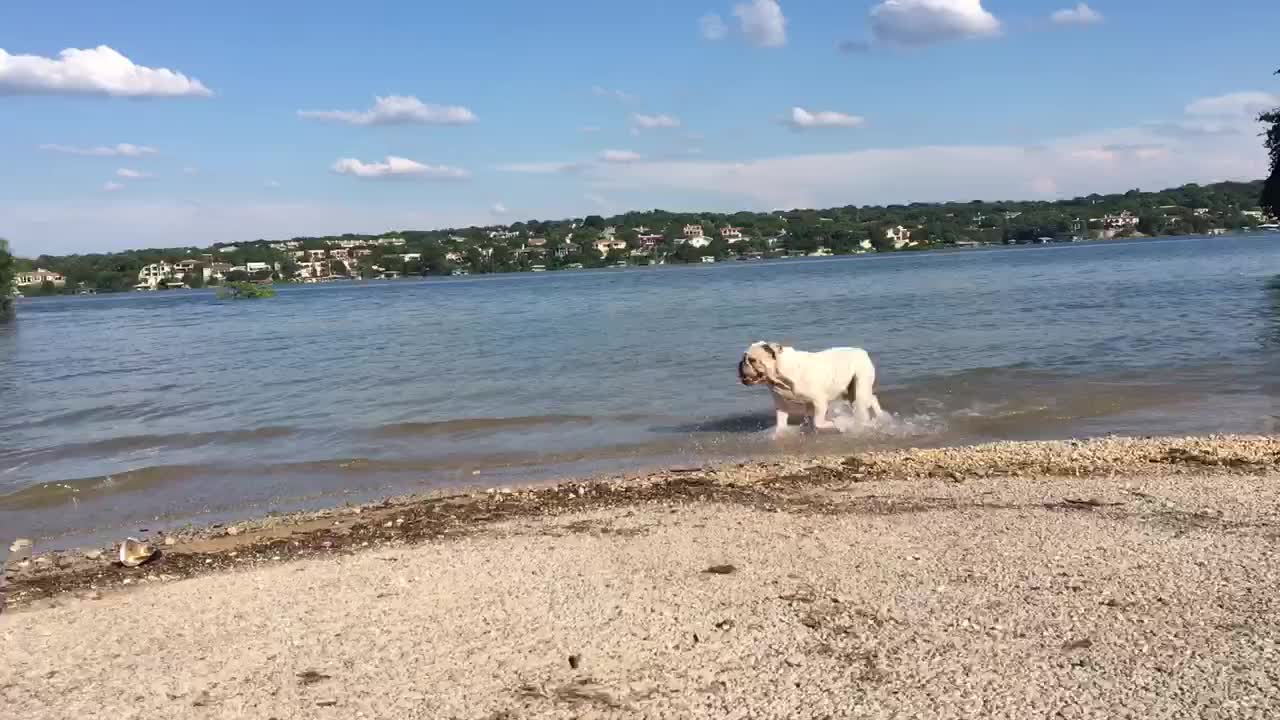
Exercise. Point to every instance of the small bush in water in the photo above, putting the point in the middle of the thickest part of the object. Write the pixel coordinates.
(246, 291)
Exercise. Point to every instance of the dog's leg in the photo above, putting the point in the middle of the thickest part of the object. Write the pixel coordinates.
(862, 397)
(781, 420)
(820, 419)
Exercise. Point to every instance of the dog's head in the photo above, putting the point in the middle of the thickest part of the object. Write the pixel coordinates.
(759, 364)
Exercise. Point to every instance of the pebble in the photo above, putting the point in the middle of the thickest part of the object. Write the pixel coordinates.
(170, 540)
(233, 530)
(795, 660)
(94, 555)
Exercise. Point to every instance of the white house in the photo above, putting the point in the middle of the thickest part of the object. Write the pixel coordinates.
(1125, 219)
(40, 277)
(154, 274)
(900, 236)
(411, 257)
(692, 231)
(700, 241)
(731, 235)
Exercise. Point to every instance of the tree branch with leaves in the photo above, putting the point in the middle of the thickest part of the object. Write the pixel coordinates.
(1270, 200)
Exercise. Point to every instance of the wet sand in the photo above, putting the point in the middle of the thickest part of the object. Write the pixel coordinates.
(1109, 578)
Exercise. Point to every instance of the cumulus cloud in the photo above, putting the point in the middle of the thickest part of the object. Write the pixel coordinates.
(97, 71)
(396, 110)
(131, 174)
(619, 156)
(613, 94)
(118, 150)
(652, 122)
(93, 71)
(395, 166)
(802, 119)
(712, 27)
(111, 186)
(1081, 14)
(925, 22)
(762, 22)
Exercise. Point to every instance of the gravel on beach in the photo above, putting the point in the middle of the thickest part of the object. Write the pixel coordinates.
(1106, 578)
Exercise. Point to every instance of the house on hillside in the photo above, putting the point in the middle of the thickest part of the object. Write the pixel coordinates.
(731, 235)
(900, 237)
(40, 277)
(1124, 220)
(154, 275)
(699, 241)
(692, 231)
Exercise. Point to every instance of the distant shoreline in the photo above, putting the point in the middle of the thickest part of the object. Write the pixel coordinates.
(928, 250)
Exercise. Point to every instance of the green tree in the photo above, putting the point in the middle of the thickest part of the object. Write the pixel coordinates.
(1270, 199)
(7, 271)
(195, 278)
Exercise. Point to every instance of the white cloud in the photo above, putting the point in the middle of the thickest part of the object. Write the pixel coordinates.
(619, 156)
(190, 170)
(924, 22)
(712, 27)
(1081, 14)
(498, 209)
(396, 110)
(802, 119)
(604, 92)
(273, 184)
(397, 167)
(1109, 161)
(651, 122)
(118, 150)
(543, 168)
(762, 22)
(1246, 104)
(111, 186)
(131, 174)
(95, 71)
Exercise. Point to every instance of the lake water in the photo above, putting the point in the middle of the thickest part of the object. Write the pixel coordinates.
(147, 410)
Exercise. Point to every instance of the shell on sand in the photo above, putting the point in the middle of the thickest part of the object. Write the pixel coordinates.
(135, 552)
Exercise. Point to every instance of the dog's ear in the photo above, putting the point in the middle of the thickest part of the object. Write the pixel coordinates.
(774, 350)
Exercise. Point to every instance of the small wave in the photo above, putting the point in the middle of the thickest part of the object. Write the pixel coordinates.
(475, 426)
(60, 492)
(152, 444)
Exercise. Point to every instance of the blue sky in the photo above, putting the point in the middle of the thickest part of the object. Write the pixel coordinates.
(513, 110)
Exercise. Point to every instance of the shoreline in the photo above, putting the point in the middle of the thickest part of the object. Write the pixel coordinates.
(1105, 578)
(777, 484)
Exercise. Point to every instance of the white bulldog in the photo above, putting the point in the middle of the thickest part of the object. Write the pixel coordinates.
(808, 383)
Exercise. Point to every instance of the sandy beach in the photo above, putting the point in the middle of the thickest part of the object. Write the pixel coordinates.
(1107, 578)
